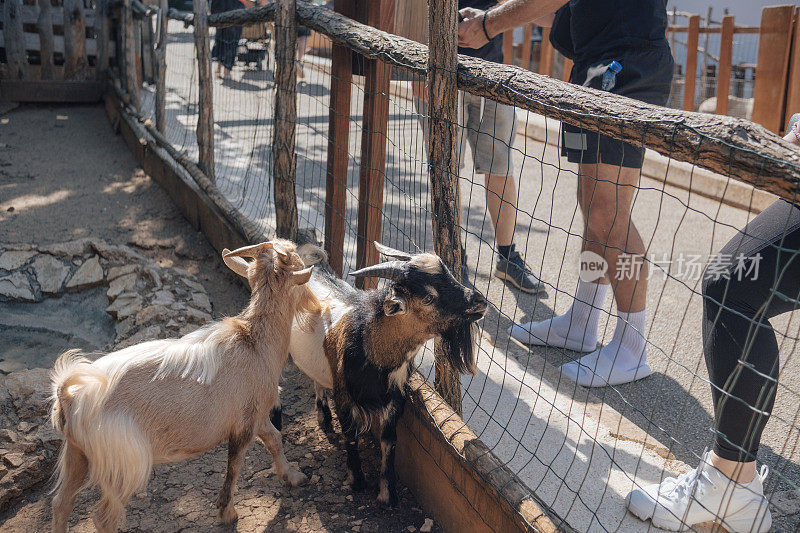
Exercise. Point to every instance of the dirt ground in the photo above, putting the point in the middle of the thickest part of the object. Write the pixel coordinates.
(65, 175)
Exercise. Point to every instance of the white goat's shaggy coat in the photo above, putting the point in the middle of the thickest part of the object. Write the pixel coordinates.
(167, 400)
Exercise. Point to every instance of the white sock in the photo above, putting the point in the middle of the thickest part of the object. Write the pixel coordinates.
(574, 330)
(622, 360)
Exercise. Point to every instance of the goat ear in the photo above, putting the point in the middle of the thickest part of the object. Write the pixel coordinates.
(394, 305)
(391, 252)
(302, 276)
(237, 264)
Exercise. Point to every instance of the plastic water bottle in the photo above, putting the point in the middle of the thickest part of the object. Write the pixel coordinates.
(610, 76)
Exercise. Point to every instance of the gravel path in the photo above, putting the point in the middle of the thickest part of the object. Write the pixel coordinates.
(64, 175)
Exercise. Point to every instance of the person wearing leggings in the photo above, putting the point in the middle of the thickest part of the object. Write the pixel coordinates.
(754, 278)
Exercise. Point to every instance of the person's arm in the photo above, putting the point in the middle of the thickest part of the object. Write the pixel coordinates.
(504, 17)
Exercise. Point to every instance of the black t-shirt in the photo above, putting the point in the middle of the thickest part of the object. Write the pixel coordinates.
(587, 30)
(491, 51)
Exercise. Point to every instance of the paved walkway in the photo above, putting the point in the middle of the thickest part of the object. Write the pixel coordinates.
(555, 436)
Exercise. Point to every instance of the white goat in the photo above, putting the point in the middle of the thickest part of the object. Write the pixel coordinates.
(167, 400)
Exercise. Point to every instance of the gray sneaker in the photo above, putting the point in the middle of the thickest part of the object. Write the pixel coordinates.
(514, 270)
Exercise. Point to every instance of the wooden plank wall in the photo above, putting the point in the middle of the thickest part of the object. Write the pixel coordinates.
(53, 49)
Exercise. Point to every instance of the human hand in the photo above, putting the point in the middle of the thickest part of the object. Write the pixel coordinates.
(470, 29)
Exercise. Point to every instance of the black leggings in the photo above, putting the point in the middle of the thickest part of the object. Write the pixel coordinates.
(740, 346)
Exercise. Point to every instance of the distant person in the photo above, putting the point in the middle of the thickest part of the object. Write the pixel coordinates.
(226, 40)
(595, 34)
(488, 127)
(754, 278)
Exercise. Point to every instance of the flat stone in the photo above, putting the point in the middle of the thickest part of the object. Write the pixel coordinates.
(90, 273)
(124, 327)
(117, 271)
(16, 287)
(188, 328)
(68, 249)
(163, 297)
(172, 325)
(7, 367)
(50, 273)
(426, 526)
(198, 317)
(14, 259)
(113, 252)
(14, 459)
(200, 300)
(151, 313)
(147, 334)
(125, 305)
(121, 284)
(196, 287)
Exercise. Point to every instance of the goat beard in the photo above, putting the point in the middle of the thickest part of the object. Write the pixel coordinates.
(458, 346)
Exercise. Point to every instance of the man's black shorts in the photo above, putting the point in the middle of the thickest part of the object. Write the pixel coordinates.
(646, 75)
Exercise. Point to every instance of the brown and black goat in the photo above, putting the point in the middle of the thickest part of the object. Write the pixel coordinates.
(168, 400)
(363, 344)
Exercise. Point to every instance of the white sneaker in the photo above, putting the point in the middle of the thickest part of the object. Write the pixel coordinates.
(704, 495)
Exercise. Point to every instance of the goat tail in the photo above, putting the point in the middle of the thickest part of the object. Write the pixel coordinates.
(75, 381)
(119, 453)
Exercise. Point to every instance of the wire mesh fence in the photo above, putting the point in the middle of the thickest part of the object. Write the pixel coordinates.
(579, 450)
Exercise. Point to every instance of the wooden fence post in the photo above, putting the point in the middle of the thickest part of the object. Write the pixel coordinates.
(129, 60)
(690, 74)
(377, 74)
(443, 163)
(75, 61)
(14, 40)
(725, 61)
(546, 53)
(44, 23)
(147, 50)
(508, 47)
(793, 80)
(161, 66)
(284, 161)
(205, 93)
(774, 42)
(525, 53)
(338, 143)
(102, 28)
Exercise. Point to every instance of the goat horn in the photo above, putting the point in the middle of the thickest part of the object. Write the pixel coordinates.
(391, 252)
(249, 251)
(237, 264)
(389, 270)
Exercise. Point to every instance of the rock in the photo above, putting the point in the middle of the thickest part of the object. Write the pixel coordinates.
(29, 392)
(188, 328)
(125, 305)
(16, 287)
(7, 367)
(427, 526)
(14, 259)
(14, 459)
(172, 325)
(198, 317)
(151, 313)
(124, 327)
(50, 273)
(90, 273)
(201, 301)
(117, 271)
(193, 285)
(121, 284)
(147, 334)
(68, 249)
(154, 276)
(163, 297)
(119, 254)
